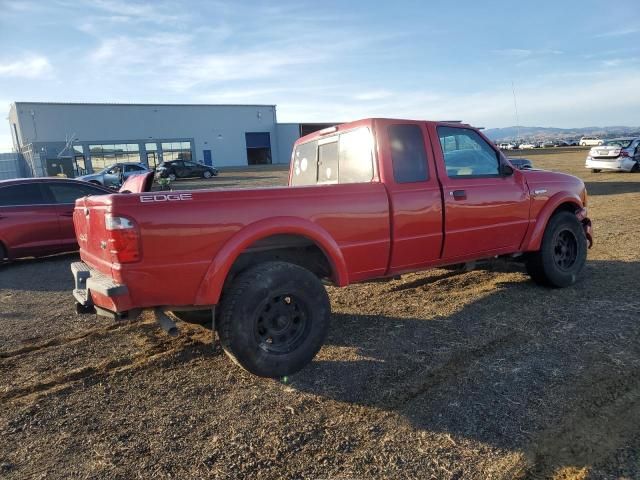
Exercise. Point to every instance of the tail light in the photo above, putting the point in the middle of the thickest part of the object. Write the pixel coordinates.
(123, 239)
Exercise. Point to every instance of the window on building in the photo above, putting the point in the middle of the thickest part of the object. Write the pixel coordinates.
(408, 154)
(105, 155)
(467, 154)
(343, 158)
(152, 155)
(176, 151)
(79, 161)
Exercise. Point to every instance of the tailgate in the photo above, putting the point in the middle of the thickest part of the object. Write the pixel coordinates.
(91, 233)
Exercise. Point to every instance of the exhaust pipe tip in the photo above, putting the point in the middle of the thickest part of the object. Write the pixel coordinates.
(166, 323)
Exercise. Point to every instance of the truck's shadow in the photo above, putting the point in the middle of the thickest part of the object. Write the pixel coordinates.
(522, 369)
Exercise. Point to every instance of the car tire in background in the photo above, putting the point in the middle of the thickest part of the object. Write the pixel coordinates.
(207, 174)
(274, 318)
(595, 170)
(562, 254)
(172, 177)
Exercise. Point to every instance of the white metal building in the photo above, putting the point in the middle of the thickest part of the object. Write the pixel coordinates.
(78, 138)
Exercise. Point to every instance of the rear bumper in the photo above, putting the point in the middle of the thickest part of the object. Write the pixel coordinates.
(620, 164)
(95, 290)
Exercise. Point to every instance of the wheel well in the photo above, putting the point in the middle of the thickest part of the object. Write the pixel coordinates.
(4, 253)
(566, 207)
(295, 249)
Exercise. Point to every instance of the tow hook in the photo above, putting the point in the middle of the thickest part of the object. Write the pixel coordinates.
(165, 322)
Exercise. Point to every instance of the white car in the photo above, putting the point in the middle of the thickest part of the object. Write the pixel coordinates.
(619, 154)
(506, 146)
(527, 145)
(590, 141)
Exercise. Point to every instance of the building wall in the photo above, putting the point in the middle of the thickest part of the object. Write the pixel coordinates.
(288, 133)
(10, 166)
(219, 128)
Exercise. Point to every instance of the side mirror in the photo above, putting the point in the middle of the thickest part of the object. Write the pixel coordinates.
(506, 170)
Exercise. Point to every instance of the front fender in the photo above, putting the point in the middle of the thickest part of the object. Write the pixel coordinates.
(213, 281)
(533, 240)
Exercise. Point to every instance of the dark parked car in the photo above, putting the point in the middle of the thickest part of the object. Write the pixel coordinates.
(115, 174)
(185, 169)
(36, 215)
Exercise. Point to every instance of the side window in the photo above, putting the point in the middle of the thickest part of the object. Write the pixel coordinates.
(356, 162)
(408, 154)
(133, 168)
(328, 162)
(22, 194)
(305, 164)
(467, 154)
(68, 193)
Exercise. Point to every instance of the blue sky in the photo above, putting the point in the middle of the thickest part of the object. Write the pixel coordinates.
(573, 63)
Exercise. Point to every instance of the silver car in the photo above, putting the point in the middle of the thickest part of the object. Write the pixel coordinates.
(619, 154)
(116, 174)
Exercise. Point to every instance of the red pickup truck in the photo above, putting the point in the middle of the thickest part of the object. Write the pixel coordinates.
(369, 199)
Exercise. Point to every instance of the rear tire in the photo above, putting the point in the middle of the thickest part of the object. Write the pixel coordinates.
(562, 254)
(274, 318)
(635, 168)
(595, 170)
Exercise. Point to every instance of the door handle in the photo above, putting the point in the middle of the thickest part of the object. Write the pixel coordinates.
(458, 194)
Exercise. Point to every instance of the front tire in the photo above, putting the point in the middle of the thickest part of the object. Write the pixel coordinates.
(207, 174)
(274, 318)
(595, 170)
(172, 177)
(562, 254)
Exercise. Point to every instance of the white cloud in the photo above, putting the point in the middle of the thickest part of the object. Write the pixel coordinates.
(514, 52)
(619, 32)
(31, 66)
(607, 100)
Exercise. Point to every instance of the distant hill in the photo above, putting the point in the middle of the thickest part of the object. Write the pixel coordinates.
(543, 133)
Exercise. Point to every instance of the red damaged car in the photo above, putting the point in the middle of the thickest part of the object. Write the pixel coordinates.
(369, 199)
(36, 215)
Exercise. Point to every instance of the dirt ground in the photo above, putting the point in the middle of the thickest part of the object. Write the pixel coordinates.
(438, 375)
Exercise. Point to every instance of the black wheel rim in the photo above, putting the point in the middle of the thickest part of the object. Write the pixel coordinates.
(565, 250)
(282, 324)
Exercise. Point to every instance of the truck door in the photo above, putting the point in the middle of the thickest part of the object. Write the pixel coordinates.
(485, 210)
(414, 194)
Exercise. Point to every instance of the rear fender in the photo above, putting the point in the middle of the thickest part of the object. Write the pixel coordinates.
(213, 281)
(533, 240)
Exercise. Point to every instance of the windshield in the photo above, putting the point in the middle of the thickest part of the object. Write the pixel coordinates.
(623, 143)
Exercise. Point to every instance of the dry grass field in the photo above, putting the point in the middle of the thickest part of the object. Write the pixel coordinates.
(437, 375)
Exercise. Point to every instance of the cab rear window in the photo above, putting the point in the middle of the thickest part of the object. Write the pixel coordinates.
(342, 158)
